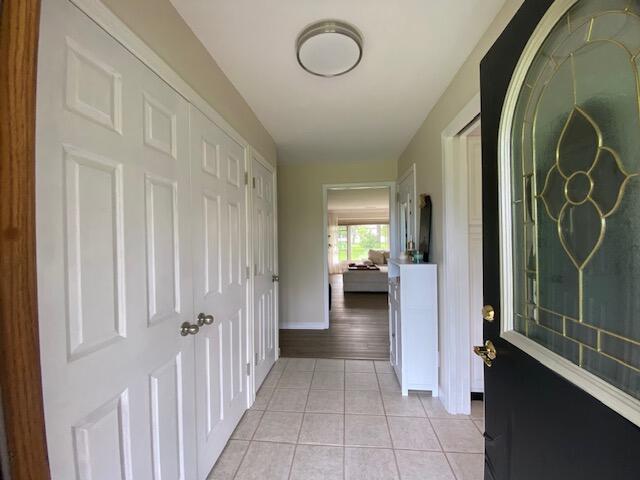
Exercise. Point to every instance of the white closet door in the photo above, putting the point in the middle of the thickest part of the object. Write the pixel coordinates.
(219, 220)
(474, 171)
(112, 174)
(265, 326)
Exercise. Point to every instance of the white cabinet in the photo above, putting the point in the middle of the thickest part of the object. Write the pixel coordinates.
(413, 324)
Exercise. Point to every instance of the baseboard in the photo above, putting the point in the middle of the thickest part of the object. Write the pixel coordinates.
(303, 326)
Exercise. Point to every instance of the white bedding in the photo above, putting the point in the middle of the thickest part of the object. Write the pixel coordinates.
(366, 280)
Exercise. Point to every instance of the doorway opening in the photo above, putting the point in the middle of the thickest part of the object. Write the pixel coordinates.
(359, 234)
(358, 251)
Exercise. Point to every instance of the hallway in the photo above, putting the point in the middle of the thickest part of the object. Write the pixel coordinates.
(330, 419)
(358, 329)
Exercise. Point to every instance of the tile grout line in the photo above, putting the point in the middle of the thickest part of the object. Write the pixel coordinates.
(446, 457)
(386, 418)
(304, 410)
(235, 473)
(251, 440)
(440, 443)
(244, 455)
(374, 447)
(262, 413)
(344, 419)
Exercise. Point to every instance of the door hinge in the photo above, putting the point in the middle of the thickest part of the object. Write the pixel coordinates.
(246, 178)
(398, 196)
(256, 360)
(254, 182)
(248, 369)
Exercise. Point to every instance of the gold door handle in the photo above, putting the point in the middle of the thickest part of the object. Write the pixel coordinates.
(189, 329)
(488, 313)
(487, 352)
(205, 319)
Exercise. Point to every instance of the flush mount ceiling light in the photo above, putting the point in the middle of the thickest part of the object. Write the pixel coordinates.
(329, 48)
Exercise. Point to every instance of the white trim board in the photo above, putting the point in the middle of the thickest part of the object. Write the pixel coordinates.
(416, 210)
(455, 351)
(614, 398)
(325, 230)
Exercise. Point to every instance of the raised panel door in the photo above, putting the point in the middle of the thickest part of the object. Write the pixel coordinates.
(219, 226)
(112, 245)
(265, 326)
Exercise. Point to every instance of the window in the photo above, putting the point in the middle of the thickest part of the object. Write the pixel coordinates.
(575, 196)
(343, 243)
(355, 241)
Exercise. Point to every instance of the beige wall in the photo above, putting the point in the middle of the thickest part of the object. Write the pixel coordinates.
(425, 147)
(162, 28)
(300, 242)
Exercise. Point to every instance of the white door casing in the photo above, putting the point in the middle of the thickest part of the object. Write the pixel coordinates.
(219, 209)
(407, 217)
(265, 323)
(474, 188)
(114, 260)
(407, 230)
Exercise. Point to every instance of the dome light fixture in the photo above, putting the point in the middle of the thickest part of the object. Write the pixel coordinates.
(329, 48)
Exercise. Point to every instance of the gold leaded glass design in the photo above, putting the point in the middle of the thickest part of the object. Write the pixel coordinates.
(576, 192)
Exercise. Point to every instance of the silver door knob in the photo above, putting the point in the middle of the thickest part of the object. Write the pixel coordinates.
(205, 319)
(189, 329)
(275, 278)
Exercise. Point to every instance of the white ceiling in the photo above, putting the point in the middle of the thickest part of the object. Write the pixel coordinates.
(358, 199)
(412, 50)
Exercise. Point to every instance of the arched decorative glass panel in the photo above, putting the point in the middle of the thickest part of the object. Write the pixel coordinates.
(575, 192)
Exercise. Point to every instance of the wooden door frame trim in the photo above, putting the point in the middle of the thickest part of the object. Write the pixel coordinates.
(20, 378)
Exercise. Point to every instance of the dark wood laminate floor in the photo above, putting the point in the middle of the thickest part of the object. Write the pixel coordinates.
(358, 329)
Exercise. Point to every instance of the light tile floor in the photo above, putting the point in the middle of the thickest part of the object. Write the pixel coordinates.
(330, 419)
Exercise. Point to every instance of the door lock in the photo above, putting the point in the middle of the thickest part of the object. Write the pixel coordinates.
(205, 319)
(275, 278)
(189, 329)
(487, 352)
(488, 313)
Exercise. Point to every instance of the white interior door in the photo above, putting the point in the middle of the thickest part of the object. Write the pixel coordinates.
(474, 187)
(218, 210)
(265, 325)
(113, 252)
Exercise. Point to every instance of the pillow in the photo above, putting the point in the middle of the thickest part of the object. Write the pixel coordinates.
(376, 256)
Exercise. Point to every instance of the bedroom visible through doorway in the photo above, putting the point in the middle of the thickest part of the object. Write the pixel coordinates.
(359, 236)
